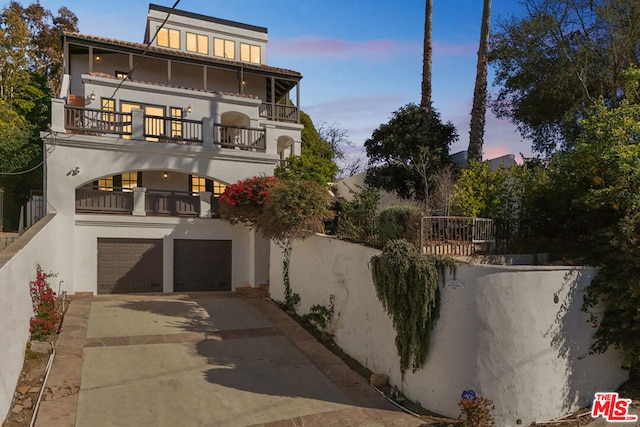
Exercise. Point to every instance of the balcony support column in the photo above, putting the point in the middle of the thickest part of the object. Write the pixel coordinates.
(137, 124)
(139, 195)
(208, 137)
(205, 204)
(57, 115)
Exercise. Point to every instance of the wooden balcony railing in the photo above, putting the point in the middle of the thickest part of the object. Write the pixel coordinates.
(236, 137)
(163, 129)
(172, 203)
(109, 200)
(97, 122)
(278, 112)
(117, 200)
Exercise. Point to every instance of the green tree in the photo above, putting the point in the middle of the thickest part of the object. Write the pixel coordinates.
(31, 58)
(553, 64)
(316, 162)
(405, 153)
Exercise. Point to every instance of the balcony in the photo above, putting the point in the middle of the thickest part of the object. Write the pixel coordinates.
(144, 202)
(137, 125)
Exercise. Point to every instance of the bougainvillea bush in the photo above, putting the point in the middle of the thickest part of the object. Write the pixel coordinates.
(46, 316)
(279, 208)
(244, 201)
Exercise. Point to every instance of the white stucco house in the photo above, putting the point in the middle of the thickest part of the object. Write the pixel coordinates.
(144, 138)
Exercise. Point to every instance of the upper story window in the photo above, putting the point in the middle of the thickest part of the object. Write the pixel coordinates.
(249, 53)
(224, 48)
(197, 43)
(168, 37)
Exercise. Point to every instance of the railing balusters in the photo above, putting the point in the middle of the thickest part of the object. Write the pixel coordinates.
(443, 235)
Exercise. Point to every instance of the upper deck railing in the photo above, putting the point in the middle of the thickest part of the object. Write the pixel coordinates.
(153, 128)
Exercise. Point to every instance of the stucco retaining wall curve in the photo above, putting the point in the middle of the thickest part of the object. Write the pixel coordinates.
(514, 334)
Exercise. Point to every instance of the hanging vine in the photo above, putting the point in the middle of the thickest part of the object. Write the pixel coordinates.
(406, 283)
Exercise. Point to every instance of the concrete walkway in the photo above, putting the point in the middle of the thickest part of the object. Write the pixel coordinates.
(200, 360)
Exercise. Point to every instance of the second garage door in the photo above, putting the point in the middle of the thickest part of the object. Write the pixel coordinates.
(202, 265)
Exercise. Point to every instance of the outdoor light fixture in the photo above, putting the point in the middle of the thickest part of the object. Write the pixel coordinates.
(188, 109)
(92, 96)
(97, 58)
(165, 175)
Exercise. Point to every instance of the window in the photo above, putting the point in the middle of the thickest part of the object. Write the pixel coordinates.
(129, 181)
(200, 184)
(176, 121)
(224, 48)
(153, 126)
(218, 188)
(249, 53)
(106, 183)
(122, 75)
(108, 119)
(169, 38)
(198, 43)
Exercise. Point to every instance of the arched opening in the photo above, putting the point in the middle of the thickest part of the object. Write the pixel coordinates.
(285, 146)
(163, 193)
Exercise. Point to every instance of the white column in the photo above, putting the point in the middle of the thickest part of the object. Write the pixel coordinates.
(57, 115)
(205, 204)
(139, 195)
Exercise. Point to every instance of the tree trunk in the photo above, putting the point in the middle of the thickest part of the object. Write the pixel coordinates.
(425, 101)
(476, 134)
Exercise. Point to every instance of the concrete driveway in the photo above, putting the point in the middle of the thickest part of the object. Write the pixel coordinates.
(200, 360)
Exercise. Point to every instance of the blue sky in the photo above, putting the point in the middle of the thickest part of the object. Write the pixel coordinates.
(361, 60)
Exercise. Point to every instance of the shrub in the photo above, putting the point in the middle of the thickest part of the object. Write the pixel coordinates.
(357, 218)
(400, 222)
(406, 284)
(46, 316)
(476, 412)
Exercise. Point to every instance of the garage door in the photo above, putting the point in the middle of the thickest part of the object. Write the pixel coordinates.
(129, 265)
(202, 265)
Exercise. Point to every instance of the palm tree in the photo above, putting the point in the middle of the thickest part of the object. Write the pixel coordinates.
(476, 133)
(425, 101)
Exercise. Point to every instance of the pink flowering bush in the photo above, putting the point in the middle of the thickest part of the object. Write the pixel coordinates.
(46, 316)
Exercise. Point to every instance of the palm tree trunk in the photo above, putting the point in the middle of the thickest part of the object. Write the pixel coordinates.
(425, 101)
(476, 133)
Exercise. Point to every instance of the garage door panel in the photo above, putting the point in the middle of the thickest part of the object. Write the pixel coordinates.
(129, 265)
(202, 265)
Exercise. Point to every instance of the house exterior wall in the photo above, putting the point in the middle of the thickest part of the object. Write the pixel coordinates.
(502, 334)
(17, 268)
(88, 228)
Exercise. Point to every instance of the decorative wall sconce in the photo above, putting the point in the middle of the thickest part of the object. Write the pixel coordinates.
(98, 58)
(188, 109)
(92, 96)
(165, 175)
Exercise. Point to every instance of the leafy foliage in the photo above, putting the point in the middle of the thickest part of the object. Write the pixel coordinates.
(476, 412)
(400, 222)
(46, 317)
(405, 153)
(281, 209)
(483, 193)
(316, 162)
(554, 63)
(406, 283)
(356, 218)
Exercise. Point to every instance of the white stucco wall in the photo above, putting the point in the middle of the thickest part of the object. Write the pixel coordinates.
(88, 228)
(17, 269)
(502, 334)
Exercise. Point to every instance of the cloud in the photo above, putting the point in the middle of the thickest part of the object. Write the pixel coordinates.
(374, 50)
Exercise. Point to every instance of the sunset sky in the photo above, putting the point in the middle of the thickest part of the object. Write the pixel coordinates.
(361, 60)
